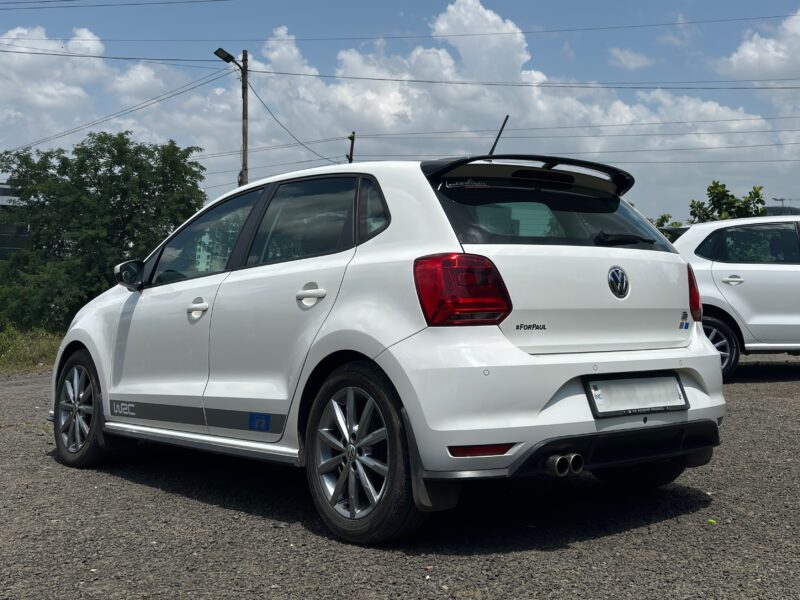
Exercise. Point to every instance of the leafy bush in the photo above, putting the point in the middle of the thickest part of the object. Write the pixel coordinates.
(27, 351)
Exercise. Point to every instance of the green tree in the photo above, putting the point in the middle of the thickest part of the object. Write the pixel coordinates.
(108, 200)
(723, 204)
(666, 220)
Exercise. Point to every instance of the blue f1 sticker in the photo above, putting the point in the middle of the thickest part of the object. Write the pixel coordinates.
(258, 422)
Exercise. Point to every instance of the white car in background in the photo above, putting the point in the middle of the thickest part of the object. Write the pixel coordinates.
(748, 271)
(398, 328)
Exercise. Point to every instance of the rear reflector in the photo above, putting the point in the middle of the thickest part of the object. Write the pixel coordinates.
(482, 450)
(460, 289)
(695, 304)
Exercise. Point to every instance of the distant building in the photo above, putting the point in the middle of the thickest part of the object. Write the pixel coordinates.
(11, 238)
(776, 211)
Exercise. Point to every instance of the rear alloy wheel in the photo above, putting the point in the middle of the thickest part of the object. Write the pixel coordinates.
(644, 476)
(357, 457)
(77, 412)
(725, 341)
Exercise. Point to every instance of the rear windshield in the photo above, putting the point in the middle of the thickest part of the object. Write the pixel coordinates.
(504, 211)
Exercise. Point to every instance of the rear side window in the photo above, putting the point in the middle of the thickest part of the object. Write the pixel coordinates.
(768, 243)
(305, 219)
(504, 211)
(373, 215)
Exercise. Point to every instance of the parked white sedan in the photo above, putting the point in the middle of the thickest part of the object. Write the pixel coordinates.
(748, 272)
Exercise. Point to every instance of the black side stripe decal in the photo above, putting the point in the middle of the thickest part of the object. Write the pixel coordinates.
(193, 415)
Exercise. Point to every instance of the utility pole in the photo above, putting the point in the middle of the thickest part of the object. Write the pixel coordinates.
(228, 58)
(243, 174)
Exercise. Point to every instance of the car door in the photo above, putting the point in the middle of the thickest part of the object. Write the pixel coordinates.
(267, 314)
(160, 364)
(758, 273)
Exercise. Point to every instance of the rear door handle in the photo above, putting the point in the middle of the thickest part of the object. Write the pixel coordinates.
(197, 306)
(732, 280)
(317, 293)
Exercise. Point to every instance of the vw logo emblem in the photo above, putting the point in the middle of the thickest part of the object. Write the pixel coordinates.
(618, 282)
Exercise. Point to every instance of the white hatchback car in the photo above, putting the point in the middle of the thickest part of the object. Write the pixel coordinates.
(399, 327)
(748, 272)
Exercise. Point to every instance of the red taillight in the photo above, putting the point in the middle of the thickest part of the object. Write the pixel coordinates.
(481, 450)
(460, 289)
(695, 305)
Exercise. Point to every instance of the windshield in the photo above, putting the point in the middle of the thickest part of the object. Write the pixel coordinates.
(509, 211)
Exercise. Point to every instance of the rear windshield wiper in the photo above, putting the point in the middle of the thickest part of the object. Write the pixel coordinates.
(619, 239)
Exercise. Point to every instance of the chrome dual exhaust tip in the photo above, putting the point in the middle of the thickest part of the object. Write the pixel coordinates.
(562, 465)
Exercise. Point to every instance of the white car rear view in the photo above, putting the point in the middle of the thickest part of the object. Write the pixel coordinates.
(397, 328)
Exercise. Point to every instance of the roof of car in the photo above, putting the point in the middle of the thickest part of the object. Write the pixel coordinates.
(618, 180)
(745, 221)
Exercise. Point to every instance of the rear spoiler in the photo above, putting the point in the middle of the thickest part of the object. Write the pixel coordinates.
(437, 169)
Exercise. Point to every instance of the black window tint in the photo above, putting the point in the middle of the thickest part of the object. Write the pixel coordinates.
(709, 248)
(505, 211)
(767, 243)
(306, 218)
(373, 216)
(204, 246)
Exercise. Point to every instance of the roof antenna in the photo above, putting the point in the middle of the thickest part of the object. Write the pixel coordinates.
(352, 138)
(499, 133)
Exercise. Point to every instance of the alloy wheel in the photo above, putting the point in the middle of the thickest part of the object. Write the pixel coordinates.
(721, 343)
(76, 409)
(352, 461)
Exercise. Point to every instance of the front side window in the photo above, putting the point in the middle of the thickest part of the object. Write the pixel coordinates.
(510, 211)
(305, 219)
(766, 243)
(204, 246)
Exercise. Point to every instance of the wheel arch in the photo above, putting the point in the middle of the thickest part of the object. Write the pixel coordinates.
(314, 382)
(721, 314)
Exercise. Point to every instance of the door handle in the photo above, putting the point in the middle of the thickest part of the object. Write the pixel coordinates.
(732, 280)
(197, 307)
(317, 293)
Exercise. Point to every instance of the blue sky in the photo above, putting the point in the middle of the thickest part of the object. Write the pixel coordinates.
(40, 96)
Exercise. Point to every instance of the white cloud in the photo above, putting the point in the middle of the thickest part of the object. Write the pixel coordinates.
(567, 51)
(682, 35)
(315, 108)
(761, 57)
(625, 58)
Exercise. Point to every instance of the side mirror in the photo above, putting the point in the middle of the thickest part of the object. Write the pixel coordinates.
(129, 274)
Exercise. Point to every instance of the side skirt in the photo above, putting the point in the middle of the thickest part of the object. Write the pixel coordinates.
(210, 443)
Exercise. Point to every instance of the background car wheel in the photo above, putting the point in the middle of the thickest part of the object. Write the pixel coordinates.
(725, 341)
(357, 460)
(644, 476)
(78, 412)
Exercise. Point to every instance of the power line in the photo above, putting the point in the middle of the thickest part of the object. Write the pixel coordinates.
(457, 35)
(225, 153)
(286, 129)
(521, 84)
(113, 5)
(589, 126)
(105, 57)
(150, 102)
(633, 85)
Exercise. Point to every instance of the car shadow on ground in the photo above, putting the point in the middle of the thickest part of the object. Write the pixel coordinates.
(757, 370)
(542, 513)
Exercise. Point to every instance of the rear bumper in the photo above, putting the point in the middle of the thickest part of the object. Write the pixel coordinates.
(471, 386)
(694, 440)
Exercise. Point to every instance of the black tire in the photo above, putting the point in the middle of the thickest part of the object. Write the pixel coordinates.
(90, 453)
(726, 337)
(644, 476)
(394, 515)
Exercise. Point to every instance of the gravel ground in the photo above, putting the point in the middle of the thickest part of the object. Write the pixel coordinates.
(174, 523)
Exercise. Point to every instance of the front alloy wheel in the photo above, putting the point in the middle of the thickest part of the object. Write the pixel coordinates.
(78, 412)
(76, 409)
